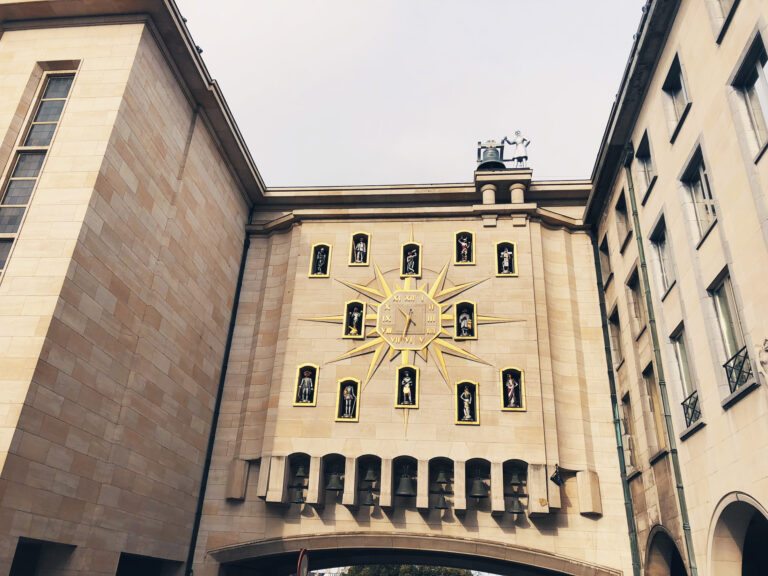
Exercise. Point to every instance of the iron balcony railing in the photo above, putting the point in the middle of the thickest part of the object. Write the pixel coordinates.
(691, 409)
(738, 369)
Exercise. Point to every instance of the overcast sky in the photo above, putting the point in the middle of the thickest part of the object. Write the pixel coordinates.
(339, 92)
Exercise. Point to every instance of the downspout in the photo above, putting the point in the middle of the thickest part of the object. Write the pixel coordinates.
(628, 506)
(217, 408)
(629, 154)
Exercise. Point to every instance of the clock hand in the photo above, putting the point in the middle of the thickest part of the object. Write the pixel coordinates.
(408, 321)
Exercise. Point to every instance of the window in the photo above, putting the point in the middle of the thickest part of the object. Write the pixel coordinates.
(691, 409)
(635, 303)
(751, 82)
(29, 157)
(661, 247)
(677, 102)
(725, 7)
(646, 172)
(655, 407)
(737, 368)
(628, 424)
(614, 331)
(696, 181)
(623, 226)
(605, 261)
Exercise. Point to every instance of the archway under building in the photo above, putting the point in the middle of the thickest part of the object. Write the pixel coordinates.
(663, 558)
(738, 538)
(278, 557)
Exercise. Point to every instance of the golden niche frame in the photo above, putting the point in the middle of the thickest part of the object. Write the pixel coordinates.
(349, 331)
(506, 265)
(466, 403)
(354, 255)
(410, 250)
(316, 269)
(458, 312)
(402, 389)
(348, 400)
(459, 248)
(512, 380)
(311, 371)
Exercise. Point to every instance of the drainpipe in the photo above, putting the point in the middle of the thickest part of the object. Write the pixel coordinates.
(217, 408)
(628, 506)
(629, 154)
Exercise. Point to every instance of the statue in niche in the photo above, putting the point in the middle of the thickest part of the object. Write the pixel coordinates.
(306, 388)
(506, 261)
(466, 405)
(465, 323)
(349, 401)
(406, 384)
(464, 246)
(410, 262)
(512, 387)
(321, 261)
(355, 318)
(361, 250)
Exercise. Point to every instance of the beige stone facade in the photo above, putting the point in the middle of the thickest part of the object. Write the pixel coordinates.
(158, 302)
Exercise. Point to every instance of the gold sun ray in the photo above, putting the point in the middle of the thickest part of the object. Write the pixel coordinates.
(440, 280)
(495, 320)
(372, 293)
(365, 348)
(448, 293)
(456, 351)
(331, 319)
(376, 361)
(440, 361)
(382, 282)
(406, 357)
(393, 353)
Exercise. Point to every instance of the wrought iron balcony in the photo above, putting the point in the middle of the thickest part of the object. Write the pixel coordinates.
(738, 369)
(691, 409)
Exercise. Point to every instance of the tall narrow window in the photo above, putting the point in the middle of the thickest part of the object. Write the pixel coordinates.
(677, 95)
(614, 330)
(696, 180)
(752, 83)
(691, 408)
(628, 424)
(725, 7)
(661, 247)
(738, 368)
(623, 227)
(646, 171)
(655, 407)
(635, 303)
(28, 159)
(605, 261)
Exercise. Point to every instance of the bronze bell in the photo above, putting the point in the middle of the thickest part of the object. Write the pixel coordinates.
(515, 506)
(514, 478)
(556, 478)
(442, 503)
(298, 496)
(301, 471)
(490, 156)
(370, 475)
(405, 486)
(478, 488)
(366, 498)
(334, 483)
(442, 477)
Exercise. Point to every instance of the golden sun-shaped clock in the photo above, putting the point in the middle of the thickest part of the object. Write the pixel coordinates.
(410, 319)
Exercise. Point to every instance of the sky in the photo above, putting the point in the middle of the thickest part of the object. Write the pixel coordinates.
(351, 92)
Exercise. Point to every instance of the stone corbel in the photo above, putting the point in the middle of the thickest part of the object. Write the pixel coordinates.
(278, 479)
(315, 491)
(349, 497)
(385, 494)
(589, 493)
(422, 485)
(262, 484)
(459, 486)
(237, 479)
(497, 489)
(539, 490)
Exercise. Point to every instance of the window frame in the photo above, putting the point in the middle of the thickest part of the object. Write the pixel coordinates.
(663, 253)
(623, 222)
(614, 336)
(677, 99)
(656, 409)
(638, 316)
(696, 181)
(604, 256)
(646, 168)
(750, 81)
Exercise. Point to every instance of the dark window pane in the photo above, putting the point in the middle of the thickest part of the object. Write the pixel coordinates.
(40, 135)
(28, 165)
(10, 220)
(5, 249)
(49, 111)
(18, 191)
(58, 87)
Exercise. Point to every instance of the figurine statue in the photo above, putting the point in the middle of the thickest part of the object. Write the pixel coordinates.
(349, 401)
(466, 399)
(513, 391)
(465, 323)
(410, 262)
(464, 245)
(321, 258)
(306, 386)
(520, 150)
(360, 249)
(354, 322)
(406, 383)
(506, 261)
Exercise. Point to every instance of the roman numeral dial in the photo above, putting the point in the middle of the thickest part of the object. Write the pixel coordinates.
(409, 319)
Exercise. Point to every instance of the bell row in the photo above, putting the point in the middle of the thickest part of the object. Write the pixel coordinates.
(407, 386)
(505, 255)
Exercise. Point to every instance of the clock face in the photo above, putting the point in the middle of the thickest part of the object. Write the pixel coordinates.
(409, 320)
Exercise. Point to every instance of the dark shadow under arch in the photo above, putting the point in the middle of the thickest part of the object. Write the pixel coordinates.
(663, 557)
(277, 557)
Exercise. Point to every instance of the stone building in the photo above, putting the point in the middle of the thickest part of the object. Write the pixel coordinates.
(520, 376)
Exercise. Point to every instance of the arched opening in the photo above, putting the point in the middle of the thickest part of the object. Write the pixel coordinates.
(405, 481)
(368, 480)
(440, 483)
(739, 539)
(663, 556)
(298, 478)
(334, 474)
(515, 484)
(478, 475)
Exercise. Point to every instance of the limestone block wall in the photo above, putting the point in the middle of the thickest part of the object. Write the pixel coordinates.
(115, 305)
(557, 340)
